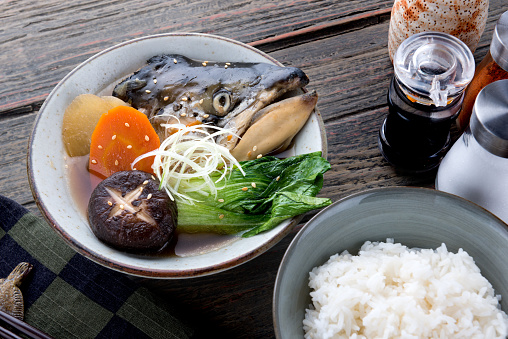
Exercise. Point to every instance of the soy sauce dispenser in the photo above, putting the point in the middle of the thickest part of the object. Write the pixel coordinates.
(431, 71)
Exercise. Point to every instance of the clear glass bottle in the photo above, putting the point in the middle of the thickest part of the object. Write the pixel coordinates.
(493, 67)
(476, 167)
(464, 19)
(431, 70)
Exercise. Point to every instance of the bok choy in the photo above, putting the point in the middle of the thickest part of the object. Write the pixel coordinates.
(269, 191)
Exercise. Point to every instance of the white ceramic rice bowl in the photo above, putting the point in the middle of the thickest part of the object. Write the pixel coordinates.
(414, 217)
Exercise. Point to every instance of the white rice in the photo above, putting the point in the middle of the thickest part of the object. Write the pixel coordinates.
(391, 291)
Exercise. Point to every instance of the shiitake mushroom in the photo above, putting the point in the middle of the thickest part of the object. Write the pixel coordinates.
(129, 212)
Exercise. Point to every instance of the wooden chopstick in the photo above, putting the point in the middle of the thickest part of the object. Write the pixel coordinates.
(22, 327)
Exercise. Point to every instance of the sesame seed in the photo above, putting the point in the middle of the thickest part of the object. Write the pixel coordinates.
(127, 124)
(141, 189)
(99, 147)
(204, 63)
(147, 138)
(148, 91)
(221, 216)
(174, 60)
(116, 162)
(245, 188)
(113, 137)
(154, 81)
(277, 179)
(254, 148)
(153, 178)
(253, 184)
(228, 63)
(166, 98)
(149, 196)
(183, 114)
(205, 116)
(110, 203)
(259, 156)
(185, 98)
(220, 200)
(94, 161)
(201, 101)
(121, 207)
(134, 168)
(225, 66)
(249, 154)
(145, 182)
(129, 146)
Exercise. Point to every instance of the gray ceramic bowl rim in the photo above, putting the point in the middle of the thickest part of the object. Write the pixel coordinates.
(134, 270)
(500, 225)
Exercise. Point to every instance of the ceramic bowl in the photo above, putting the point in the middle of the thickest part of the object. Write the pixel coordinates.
(415, 217)
(47, 156)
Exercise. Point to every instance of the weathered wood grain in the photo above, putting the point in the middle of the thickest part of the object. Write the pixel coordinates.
(14, 134)
(42, 41)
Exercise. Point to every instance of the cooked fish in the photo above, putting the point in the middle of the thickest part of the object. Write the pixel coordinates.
(227, 94)
(274, 127)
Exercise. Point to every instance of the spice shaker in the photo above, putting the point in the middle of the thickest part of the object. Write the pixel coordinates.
(494, 66)
(464, 19)
(476, 167)
(431, 71)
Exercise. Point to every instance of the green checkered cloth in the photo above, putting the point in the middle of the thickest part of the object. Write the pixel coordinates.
(68, 296)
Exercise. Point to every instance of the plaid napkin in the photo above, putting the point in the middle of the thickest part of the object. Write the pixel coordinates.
(68, 296)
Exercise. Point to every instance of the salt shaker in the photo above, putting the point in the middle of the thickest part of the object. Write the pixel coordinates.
(493, 67)
(432, 69)
(476, 167)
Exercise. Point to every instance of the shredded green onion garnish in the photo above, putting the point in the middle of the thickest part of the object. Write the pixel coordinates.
(191, 152)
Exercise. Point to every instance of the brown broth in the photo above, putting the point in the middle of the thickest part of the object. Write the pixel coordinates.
(82, 183)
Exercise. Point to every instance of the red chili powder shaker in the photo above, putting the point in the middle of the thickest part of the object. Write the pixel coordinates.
(493, 67)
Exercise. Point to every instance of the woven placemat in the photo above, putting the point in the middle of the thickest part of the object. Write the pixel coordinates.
(68, 296)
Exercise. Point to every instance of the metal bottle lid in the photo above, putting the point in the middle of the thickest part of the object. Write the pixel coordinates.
(499, 44)
(489, 121)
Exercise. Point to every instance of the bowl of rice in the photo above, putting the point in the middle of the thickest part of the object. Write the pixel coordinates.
(396, 262)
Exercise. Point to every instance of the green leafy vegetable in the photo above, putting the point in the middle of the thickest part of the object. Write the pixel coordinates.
(271, 191)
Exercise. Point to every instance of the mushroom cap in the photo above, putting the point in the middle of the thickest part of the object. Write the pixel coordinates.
(464, 19)
(129, 212)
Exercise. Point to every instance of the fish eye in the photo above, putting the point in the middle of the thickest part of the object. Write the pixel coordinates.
(222, 101)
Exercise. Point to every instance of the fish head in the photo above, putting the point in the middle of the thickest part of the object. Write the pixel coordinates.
(177, 87)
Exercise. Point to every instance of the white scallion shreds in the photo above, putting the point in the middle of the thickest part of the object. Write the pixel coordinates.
(391, 291)
(191, 152)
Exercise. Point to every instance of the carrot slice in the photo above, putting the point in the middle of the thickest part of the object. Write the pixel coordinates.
(121, 135)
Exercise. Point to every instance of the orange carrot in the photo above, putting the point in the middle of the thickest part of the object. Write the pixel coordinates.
(194, 123)
(121, 135)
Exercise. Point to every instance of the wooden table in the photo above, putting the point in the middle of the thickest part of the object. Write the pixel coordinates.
(341, 45)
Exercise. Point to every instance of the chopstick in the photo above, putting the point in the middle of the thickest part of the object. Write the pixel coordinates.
(6, 334)
(21, 326)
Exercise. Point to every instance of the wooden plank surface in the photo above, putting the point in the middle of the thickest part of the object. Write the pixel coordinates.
(341, 45)
(43, 41)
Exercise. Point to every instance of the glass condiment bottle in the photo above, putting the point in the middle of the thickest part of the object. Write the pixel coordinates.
(493, 67)
(476, 167)
(431, 70)
(464, 19)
